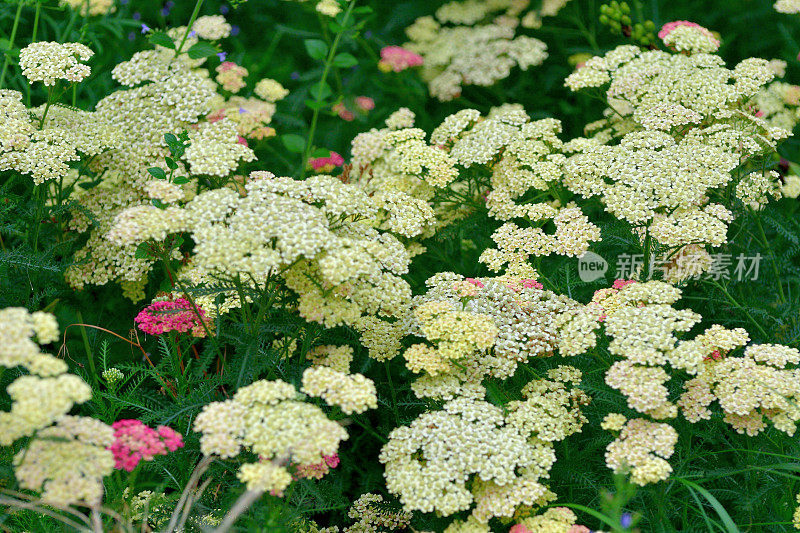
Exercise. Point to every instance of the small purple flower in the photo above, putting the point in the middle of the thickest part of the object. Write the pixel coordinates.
(626, 520)
(192, 33)
(123, 2)
(170, 4)
(242, 111)
(145, 28)
(222, 56)
(295, 75)
(368, 34)
(131, 36)
(164, 11)
(234, 30)
(224, 9)
(136, 16)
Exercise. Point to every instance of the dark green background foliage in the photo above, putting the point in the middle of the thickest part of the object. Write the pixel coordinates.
(754, 482)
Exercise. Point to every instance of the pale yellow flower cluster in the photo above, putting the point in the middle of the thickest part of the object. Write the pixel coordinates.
(67, 462)
(523, 158)
(461, 47)
(45, 152)
(164, 94)
(643, 328)
(796, 516)
(554, 519)
(49, 392)
(548, 8)
(270, 90)
(750, 388)
(791, 187)
(642, 449)
(90, 8)
(316, 234)
(787, 6)
(500, 322)
(496, 462)
(268, 419)
(48, 62)
(685, 127)
(372, 515)
(779, 105)
(334, 357)
(352, 393)
(215, 150)
(231, 76)
(756, 188)
(68, 457)
(212, 27)
(691, 40)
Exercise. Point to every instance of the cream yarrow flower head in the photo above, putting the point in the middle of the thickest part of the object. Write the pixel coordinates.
(268, 419)
(270, 90)
(48, 62)
(352, 393)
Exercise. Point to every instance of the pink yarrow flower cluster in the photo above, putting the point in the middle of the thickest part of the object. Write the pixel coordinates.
(397, 58)
(365, 103)
(135, 441)
(326, 164)
(171, 315)
(667, 28)
(317, 470)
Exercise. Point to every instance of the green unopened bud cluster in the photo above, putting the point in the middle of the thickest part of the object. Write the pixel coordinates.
(617, 16)
(113, 376)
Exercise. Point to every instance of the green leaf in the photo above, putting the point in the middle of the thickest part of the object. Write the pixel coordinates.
(157, 173)
(170, 138)
(320, 152)
(143, 251)
(363, 10)
(311, 104)
(344, 60)
(320, 91)
(161, 39)
(201, 50)
(158, 203)
(171, 163)
(293, 142)
(730, 525)
(180, 180)
(316, 49)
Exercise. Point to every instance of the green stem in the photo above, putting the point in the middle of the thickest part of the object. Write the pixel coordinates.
(196, 12)
(646, 262)
(88, 348)
(36, 21)
(328, 62)
(740, 308)
(47, 106)
(10, 45)
(772, 256)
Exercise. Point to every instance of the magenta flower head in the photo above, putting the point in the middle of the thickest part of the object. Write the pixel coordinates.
(397, 58)
(168, 315)
(326, 164)
(134, 442)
